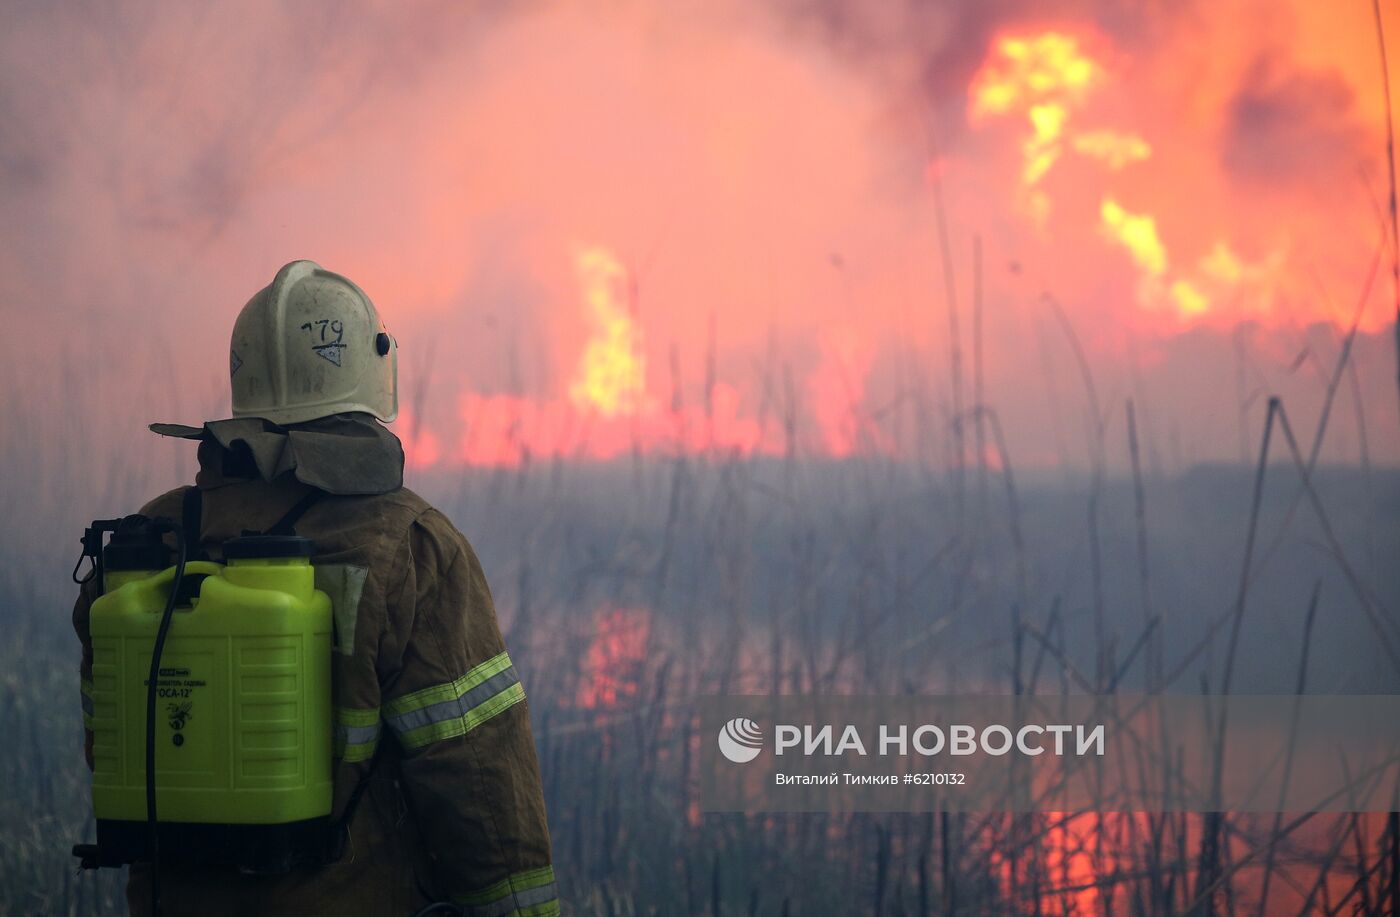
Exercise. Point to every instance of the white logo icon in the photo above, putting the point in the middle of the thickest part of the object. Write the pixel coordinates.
(740, 740)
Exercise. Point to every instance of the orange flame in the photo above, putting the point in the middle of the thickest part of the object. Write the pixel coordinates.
(1044, 77)
(1076, 862)
(1112, 148)
(616, 656)
(1138, 234)
(612, 372)
(421, 446)
(1081, 136)
(1047, 77)
(1221, 270)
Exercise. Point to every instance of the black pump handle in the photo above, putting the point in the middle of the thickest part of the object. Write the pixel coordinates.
(92, 548)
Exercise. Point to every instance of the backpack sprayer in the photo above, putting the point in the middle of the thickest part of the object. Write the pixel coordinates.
(235, 660)
(210, 701)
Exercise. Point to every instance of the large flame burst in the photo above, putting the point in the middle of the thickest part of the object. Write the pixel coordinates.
(1048, 79)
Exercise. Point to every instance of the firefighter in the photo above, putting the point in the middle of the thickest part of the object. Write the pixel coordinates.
(437, 793)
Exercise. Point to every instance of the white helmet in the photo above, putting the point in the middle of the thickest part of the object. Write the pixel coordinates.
(311, 344)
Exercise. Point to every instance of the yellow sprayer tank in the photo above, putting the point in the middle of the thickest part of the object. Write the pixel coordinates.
(243, 707)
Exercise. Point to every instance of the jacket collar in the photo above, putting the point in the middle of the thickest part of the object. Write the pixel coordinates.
(342, 454)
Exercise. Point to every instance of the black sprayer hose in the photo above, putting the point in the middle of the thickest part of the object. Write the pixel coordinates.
(151, 680)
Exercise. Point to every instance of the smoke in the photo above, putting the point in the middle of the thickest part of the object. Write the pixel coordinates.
(763, 175)
(1286, 125)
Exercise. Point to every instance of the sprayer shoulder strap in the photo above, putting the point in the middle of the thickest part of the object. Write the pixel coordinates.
(192, 518)
(287, 524)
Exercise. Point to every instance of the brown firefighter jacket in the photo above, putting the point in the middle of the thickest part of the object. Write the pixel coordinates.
(432, 728)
